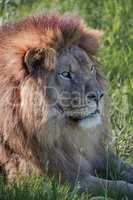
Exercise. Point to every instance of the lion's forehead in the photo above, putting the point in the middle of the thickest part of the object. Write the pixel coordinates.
(75, 59)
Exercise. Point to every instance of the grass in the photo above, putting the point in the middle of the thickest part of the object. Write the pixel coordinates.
(34, 188)
(115, 17)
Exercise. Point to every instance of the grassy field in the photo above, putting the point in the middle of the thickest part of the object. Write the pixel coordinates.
(115, 18)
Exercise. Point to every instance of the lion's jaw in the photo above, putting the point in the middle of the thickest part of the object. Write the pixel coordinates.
(90, 122)
(88, 116)
(84, 118)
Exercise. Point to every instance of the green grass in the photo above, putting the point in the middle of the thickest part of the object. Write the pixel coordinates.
(34, 188)
(115, 18)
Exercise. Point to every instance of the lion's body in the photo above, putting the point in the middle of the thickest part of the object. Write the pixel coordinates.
(34, 135)
(21, 117)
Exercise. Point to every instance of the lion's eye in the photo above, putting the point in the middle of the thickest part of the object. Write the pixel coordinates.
(66, 75)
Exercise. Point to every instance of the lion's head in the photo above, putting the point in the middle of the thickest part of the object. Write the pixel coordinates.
(72, 87)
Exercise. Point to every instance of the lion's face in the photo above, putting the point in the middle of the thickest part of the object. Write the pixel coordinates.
(74, 89)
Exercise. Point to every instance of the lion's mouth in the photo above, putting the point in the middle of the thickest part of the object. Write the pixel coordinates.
(80, 113)
(88, 116)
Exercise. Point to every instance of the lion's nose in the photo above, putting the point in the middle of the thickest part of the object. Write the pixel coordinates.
(95, 96)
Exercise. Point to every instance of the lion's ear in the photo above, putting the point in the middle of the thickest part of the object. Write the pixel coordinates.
(90, 39)
(36, 58)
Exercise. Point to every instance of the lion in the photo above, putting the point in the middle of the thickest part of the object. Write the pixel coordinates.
(53, 105)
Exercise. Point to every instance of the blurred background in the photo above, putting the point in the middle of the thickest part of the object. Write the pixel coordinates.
(115, 18)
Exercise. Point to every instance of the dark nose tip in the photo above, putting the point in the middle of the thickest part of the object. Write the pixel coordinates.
(95, 96)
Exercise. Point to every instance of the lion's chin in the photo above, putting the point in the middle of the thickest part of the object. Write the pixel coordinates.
(90, 122)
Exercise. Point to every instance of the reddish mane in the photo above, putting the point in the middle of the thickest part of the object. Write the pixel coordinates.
(41, 32)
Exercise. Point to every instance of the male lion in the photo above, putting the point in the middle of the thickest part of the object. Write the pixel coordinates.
(52, 105)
